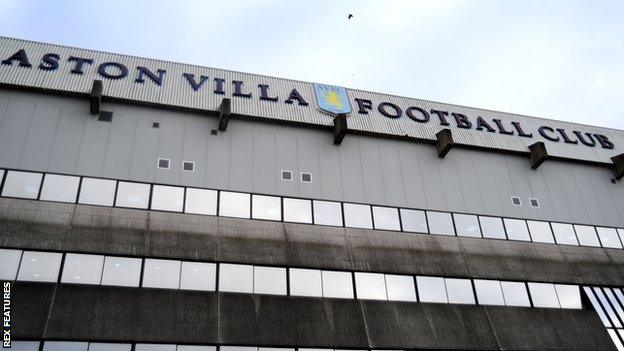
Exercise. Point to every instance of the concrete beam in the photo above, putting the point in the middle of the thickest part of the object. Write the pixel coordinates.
(225, 109)
(618, 166)
(340, 128)
(538, 154)
(95, 98)
(445, 142)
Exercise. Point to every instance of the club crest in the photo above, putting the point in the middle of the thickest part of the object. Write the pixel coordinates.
(331, 99)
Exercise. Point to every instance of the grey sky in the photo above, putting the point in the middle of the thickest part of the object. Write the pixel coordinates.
(554, 59)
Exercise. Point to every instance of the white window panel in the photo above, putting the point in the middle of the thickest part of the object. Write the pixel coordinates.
(195, 348)
(621, 234)
(236, 278)
(198, 276)
(609, 237)
(238, 348)
(515, 294)
(133, 195)
(82, 269)
(586, 235)
(569, 296)
(161, 274)
(616, 340)
(9, 263)
(400, 288)
(297, 210)
(167, 198)
(24, 345)
(274, 349)
(467, 225)
(155, 347)
(327, 213)
(440, 223)
(541, 232)
(65, 346)
(517, 229)
(543, 295)
(269, 280)
(40, 266)
(201, 201)
(370, 286)
(266, 207)
(60, 188)
(99, 346)
(337, 284)
(97, 192)
(305, 282)
(564, 234)
(414, 221)
(386, 218)
(121, 271)
(459, 291)
(22, 184)
(234, 204)
(431, 289)
(358, 216)
(492, 227)
(489, 292)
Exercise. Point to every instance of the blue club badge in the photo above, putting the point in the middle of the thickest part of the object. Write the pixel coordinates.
(331, 99)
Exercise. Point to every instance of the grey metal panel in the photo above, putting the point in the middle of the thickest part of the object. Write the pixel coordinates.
(39, 140)
(240, 161)
(308, 160)
(412, 178)
(170, 143)
(285, 159)
(265, 174)
(175, 92)
(371, 173)
(392, 178)
(330, 171)
(352, 171)
(196, 133)
(13, 130)
(118, 161)
(92, 150)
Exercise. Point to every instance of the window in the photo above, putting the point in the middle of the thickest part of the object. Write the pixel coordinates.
(234, 204)
(414, 221)
(459, 291)
(601, 313)
(97, 191)
(586, 235)
(489, 292)
(201, 201)
(98, 346)
(40, 266)
(517, 229)
(22, 184)
(297, 210)
(161, 274)
(167, 198)
(164, 163)
(9, 263)
(198, 276)
(386, 218)
(515, 294)
(195, 348)
(440, 223)
(609, 238)
(492, 227)
(569, 296)
(564, 233)
(269, 280)
(358, 216)
(605, 304)
(305, 282)
(59, 188)
(370, 286)
(516, 201)
(286, 175)
(327, 213)
(467, 225)
(65, 346)
(237, 348)
(121, 271)
(541, 232)
(306, 177)
(236, 278)
(621, 234)
(534, 202)
(266, 207)
(154, 347)
(188, 166)
(133, 195)
(400, 287)
(431, 289)
(82, 269)
(24, 345)
(337, 284)
(543, 295)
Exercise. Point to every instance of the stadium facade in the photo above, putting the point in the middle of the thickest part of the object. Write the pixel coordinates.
(157, 206)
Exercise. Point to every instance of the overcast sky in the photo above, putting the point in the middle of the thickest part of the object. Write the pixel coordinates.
(554, 59)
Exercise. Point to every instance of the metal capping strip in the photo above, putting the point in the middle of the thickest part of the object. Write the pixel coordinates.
(176, 92)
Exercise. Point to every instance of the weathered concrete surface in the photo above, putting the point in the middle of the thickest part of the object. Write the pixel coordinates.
(68, 227)
(74, 312)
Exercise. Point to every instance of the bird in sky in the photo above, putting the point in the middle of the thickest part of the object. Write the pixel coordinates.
(350, 16)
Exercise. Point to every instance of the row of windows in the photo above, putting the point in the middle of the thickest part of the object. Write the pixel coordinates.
(105, 192)
(609, 304)
(240, 278)
(98, 346)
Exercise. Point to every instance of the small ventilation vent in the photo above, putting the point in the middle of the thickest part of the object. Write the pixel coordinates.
(188, 166)
(516, 201)
(306, 177)
(286, 175)
(164, 163)
(105, 116)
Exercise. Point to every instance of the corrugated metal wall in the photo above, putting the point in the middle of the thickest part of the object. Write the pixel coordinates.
(56, 134)
(176, 92)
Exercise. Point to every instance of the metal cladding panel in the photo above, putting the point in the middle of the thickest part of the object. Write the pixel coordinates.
(176, 92)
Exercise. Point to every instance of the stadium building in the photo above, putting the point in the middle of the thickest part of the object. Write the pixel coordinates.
(157, 206)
